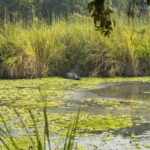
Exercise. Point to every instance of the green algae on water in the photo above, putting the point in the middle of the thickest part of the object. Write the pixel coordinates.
(23, 94)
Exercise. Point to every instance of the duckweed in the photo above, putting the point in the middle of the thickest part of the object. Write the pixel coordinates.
(114, 103)
(147, 146)
(23, 94)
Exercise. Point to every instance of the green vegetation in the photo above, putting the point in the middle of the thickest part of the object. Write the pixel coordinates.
(35, 142)
(147, 146)
(24, 92)
(42, 50)
(44, 38)
(101, 11)
(17, 97)
(26, 10)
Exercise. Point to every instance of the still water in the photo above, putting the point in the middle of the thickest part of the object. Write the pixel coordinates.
(124, 91)
(135, 137)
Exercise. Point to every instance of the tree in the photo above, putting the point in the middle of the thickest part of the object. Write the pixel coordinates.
(101, 12)
(13, 10)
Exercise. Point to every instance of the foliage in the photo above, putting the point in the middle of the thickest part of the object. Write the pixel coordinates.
(43, 50)
(27, 10)
(101, 15)
(101, 12)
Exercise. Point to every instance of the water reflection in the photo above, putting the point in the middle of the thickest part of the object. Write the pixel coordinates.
(124, 90)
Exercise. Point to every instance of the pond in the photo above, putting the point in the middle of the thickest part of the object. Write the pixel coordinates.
(114, 112)
(114, 99)
(126, 92)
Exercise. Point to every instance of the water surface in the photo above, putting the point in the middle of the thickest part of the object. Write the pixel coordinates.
(123, 91)
(126, 93)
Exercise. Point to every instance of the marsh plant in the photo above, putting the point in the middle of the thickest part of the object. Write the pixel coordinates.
(41, 50)
(36, 142)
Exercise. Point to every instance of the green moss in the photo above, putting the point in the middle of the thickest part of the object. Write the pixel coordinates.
(22, 142)
(113, 103)
(53, 88)
(37, 104)
(79, 147)
(88, 123)
(59, 122)
(25, 94)
(106, 139)
(98, 122)
(147, 146)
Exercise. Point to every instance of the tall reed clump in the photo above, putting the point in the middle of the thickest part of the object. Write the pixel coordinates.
(42, 50)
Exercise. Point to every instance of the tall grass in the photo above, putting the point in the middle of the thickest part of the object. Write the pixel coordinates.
(41, 50)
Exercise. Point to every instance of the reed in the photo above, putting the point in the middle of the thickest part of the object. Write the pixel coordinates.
(42, 50)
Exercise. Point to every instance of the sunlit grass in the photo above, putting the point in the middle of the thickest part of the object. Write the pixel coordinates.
(42, 50)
